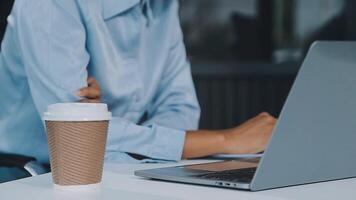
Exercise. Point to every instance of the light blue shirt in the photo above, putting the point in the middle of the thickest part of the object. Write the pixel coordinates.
(134, 49)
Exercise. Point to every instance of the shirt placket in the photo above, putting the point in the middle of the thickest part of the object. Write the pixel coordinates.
(146, 11)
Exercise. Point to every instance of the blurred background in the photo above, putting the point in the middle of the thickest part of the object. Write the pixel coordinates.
(245, 54)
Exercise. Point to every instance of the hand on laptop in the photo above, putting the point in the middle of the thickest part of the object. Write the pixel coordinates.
(250, 137)
(92, 93)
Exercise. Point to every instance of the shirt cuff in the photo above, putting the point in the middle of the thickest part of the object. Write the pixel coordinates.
(168, 143)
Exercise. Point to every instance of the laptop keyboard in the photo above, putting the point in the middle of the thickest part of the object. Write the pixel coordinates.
(239, 175)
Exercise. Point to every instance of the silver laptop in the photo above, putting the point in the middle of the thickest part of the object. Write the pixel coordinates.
(314, 140)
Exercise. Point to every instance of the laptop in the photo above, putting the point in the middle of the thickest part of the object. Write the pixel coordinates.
(313, 141)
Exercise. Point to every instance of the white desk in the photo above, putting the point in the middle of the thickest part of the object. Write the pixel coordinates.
(119, 183)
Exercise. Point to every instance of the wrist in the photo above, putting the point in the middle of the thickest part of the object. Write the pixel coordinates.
(221, 142)
(203, 143)
(223, 145)
(232, 142)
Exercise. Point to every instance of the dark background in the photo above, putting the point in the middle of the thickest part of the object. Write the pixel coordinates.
(245, 54)
(5, 8)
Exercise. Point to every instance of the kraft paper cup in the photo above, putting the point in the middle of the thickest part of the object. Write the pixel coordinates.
(76, 134)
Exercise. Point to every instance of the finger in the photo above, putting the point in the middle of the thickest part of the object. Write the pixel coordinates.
(94, 101)
(257, 121)
(92, 82)
(90, 101)
(266, 118)
(259, 118)
(89, 92)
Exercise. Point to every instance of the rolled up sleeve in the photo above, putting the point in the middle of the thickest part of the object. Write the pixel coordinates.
(153, 141)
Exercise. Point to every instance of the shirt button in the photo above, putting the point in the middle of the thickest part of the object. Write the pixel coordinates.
(10, 20)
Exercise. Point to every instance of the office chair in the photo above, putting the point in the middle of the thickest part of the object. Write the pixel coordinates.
(29, 164)
(25, 163)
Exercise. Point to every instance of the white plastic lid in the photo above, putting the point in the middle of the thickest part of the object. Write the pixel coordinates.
(77, 112)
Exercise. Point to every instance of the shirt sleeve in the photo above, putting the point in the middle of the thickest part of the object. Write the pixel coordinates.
(176, 105)
(152, 141)
(52, 40)
(52, 46)
(174, 110)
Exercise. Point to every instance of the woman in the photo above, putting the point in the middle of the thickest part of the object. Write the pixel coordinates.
(135, 50)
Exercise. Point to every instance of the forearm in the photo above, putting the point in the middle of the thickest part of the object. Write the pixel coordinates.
(203, 143)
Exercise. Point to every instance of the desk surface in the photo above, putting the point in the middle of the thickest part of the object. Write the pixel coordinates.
(120, 183)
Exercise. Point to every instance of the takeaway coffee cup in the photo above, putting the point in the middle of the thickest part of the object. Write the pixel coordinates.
(76, 134)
